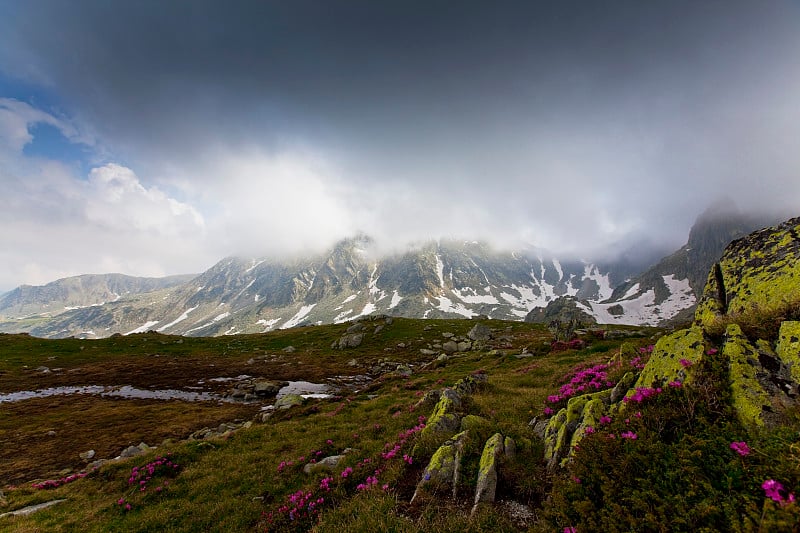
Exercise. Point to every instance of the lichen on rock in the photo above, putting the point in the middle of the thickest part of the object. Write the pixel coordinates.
(749, 397)
(674, 358)
(788, 347)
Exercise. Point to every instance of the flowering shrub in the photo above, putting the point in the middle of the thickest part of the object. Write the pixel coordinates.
(54, 483)
(142, 476)
(582, 381)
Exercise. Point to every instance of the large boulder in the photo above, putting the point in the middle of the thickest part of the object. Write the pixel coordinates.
(755, 272)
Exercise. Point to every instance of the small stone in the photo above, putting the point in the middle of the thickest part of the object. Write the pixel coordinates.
(289, 349)
(87, 456)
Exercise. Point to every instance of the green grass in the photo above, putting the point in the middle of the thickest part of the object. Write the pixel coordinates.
(233, 484)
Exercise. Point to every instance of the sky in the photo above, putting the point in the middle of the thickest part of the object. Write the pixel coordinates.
(154, 138)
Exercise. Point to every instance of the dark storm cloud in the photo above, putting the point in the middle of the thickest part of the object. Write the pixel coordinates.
(567, 123)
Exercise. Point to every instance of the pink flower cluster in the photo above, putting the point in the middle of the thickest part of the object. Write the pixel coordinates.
(301, 504)
(143, 475)
(54, 483)
(741, 448)
(637, 363)
(369, 483)
(773, 489)
(641, 393)
(629, 435)
(588, 379)
(685, 363)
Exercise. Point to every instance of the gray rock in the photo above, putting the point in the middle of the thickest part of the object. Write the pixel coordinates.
(131, 451)
(464, 346)
(447, 334)
(290, 400)
(32, 508)
(404, 370)
(480, 332)
(442, 358)
(87, 456)
(425, 351)
(328, 463)
(268, 387)
(378, 329)
(289, 349)
(486, 486)
(450, 346)
(356, 328)
(352, 340)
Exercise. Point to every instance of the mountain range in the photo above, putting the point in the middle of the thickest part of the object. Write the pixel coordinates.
(437, 279)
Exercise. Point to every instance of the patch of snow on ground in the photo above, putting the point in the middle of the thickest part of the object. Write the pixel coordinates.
(475, 299)
(448, 306)
(525, 299)
(643, 311)
(255, 298)
(368, 310)
(557, 264)
(342, 317)
(269, 324)
(681, 296)
(638, 311)
(181, 318)
(233, 330)
(143, 328)
(221, 316)
(373, 281)
(630, 292)
(593, 273)
(349, 298)
(440, 270)
(254, 264)
(395, 300)
(301, 314)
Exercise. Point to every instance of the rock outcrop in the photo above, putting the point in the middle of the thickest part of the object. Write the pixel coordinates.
(758, 275)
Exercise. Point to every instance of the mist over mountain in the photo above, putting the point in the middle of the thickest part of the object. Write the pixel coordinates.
(356, 278)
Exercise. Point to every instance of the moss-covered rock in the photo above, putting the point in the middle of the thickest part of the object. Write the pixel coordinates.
(486, 485)
(758, 271)
(674, 358)
(442, 469)
(554, 436)
(592, 411)
(749, 398)
(473, 423)
(788, 347)
(444, 417)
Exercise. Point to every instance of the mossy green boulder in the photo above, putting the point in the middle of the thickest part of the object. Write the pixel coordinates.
(750, 399)
(758, 272)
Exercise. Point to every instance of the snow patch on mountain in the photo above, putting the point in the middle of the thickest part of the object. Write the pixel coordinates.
(448, 306)
(181, 318)
(299, 316)
(268, 324)
(396, 298)
(144, 327)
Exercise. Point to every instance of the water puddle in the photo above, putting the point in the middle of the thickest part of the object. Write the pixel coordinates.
(306, 389)
(124, 391)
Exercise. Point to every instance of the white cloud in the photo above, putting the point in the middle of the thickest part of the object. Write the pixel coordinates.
(57, 223)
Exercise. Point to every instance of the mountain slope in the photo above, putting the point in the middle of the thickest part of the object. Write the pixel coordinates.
(669, 290)
(79, 291)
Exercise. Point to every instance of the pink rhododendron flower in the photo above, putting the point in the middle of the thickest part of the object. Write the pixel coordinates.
(741, 448)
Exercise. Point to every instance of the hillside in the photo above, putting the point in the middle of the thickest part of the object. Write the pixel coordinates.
(436, 425)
